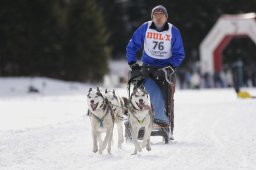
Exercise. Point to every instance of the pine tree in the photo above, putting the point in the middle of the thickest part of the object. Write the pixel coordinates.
(29, 38)
(87, 50)
(115, 20)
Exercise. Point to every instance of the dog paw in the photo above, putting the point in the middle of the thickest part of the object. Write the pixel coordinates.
(109, 152)
(100, 152)
(135, 152)
(148, 148)
(143, 144)
(95, 150)
(139, 149)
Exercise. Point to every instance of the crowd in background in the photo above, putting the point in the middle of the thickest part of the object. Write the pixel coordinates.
(191, 78)
(227, 77)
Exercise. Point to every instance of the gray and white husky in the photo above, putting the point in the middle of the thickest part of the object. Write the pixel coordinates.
(119, 109)
(140, 115)
(102, 120)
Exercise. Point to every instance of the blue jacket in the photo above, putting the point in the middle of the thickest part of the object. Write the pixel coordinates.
(137, 42)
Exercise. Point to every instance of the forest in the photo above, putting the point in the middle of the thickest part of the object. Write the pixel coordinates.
(74, 39)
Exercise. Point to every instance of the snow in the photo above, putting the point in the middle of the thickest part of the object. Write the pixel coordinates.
(50, 130)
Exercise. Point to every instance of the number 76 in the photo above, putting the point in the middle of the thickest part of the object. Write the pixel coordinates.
(159, 45)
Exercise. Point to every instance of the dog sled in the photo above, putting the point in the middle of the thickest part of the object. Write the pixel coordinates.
(158, 82)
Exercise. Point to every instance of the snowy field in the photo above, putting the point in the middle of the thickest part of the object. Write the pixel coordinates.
(214, 130)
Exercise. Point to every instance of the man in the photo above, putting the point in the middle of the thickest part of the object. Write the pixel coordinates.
(162, 47)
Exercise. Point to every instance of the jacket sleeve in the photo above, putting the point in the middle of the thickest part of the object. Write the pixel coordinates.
(135, 44)
(178, 54)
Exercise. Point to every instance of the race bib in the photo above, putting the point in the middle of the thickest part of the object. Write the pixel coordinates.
(158, 44)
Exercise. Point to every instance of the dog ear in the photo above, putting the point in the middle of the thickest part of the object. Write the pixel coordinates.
(134, 88)
(106, 90)
(98, 89)
(142, 87)
(144, 91)
(114, 94)
(90, 90)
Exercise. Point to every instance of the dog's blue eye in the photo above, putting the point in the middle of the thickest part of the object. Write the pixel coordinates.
(89, 97)
(96, 96)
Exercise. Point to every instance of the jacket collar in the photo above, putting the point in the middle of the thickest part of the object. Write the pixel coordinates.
(153, 26)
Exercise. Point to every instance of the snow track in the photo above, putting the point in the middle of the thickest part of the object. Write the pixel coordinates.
(213, 130)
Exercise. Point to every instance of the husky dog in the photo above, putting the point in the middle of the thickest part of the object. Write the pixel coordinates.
(102, 120)
(140, 115)
(119, 108)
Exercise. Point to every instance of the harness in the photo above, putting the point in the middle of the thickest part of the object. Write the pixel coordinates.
(100, 120)
(131, 109)
(122, 107)
(139, 121)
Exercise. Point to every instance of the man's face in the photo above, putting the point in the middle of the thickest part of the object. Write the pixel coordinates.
(159, 18)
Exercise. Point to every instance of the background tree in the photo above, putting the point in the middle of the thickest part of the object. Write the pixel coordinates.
(114, 17)
(86, 46)
(29, 38)
(72, 40)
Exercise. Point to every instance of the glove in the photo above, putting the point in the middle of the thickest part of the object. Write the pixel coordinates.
(135, 66)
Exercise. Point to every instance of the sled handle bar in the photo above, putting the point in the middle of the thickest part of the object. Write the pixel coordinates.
(164, 69)
(158, 68)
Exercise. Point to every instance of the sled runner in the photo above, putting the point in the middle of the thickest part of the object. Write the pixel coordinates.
(157, 82)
